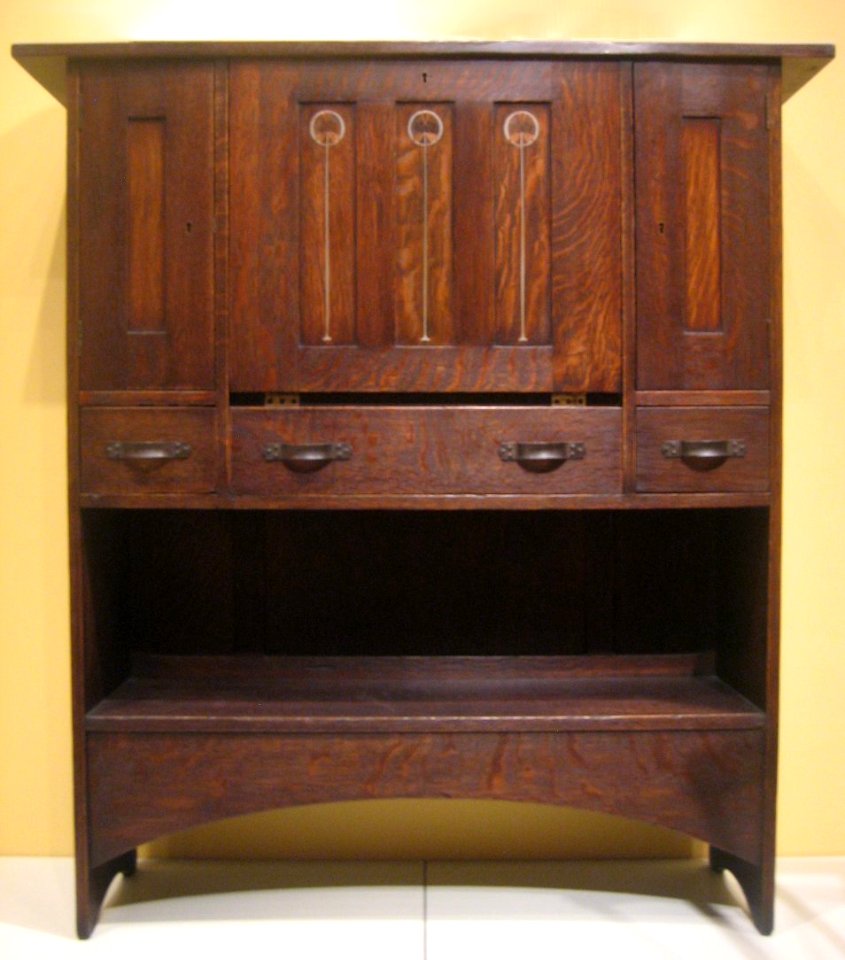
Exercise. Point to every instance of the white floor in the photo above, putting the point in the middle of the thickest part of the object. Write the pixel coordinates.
(411, 911)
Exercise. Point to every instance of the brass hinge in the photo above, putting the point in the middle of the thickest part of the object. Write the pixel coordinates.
(281, 399)
(569, 399)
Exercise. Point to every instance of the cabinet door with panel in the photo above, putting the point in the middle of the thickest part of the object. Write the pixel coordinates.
(704, 259)
(426, 226)
(146, 226)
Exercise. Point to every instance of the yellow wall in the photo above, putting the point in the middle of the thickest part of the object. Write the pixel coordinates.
(35, 773)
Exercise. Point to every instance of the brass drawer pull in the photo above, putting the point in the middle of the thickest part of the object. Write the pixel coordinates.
(305, 457)
(148, 450)
(703, 454)
(541, 457)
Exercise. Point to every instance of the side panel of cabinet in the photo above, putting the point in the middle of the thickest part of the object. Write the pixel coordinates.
(704, 274)
(146, 226)
(425, 226)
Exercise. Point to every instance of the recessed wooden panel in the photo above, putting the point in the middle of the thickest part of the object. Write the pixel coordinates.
(145, 155)
(700, 149)
(523, 194)
(146, 218)
(704, 291)
(327, 216)
(423, 185)
(439, 240)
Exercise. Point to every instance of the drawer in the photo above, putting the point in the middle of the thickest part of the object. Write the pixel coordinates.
(702, 449)
(414, 450)
(143, 450)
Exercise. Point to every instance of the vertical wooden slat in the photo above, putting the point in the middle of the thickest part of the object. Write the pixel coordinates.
(221, 268)
(522, 190)
(277, 225)
(189, 225)
(376, 241)
(587, 192)
(327, 223)
(475, 254)
(656, 100)
(103, 342)
(629, 282)
(700, 147)
(424, 206)
(145, 176)
(264, 264)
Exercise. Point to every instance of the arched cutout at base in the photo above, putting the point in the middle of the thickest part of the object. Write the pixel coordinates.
(426, 830)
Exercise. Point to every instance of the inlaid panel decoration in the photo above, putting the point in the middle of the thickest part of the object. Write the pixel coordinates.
(423, 186)
(522, 224)
(327, 165)
(382, 212)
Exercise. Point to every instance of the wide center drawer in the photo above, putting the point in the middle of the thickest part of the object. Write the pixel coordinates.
(422, 450)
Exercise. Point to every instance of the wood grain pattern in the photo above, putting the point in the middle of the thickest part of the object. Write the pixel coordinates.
(424, 257)
(420, 695)
(425, 450)
(475, 258)
(670, 355)
(101, 426)
(704, 783)
(475, 280)
(522, 219)
(799, 63)
(700, 149)
(375, 226)
(146, 227)
(587, 228)
(145, 172)
(328, 198)
(656, 425)
(425, 619)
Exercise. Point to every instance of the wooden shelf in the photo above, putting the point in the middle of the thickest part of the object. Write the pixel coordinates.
(423, 694)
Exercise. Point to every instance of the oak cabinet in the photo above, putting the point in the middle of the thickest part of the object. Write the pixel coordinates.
(424, 432)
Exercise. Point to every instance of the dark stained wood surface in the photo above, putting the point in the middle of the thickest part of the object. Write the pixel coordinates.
(424, 619)
(448, 450)
(46, 62)
(406, 266)
(190, 779)
(591, 202)
(656, 425)
(146, 227)
(703, 230)
(393, 695)
(101, 426)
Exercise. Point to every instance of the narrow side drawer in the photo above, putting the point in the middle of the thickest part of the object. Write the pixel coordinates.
(142, 450)
(679, 449)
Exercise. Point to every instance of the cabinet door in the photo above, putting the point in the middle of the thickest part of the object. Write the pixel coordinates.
(704, 276)
(146, 175)
(425, 226)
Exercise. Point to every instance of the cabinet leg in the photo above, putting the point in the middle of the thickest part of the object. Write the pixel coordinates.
(757, 882)
(92, 886)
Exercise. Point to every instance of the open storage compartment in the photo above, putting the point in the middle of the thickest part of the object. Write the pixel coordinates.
(429, 620)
